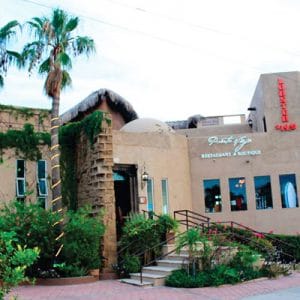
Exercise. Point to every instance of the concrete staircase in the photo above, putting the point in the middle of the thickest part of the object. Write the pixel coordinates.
(156, 275)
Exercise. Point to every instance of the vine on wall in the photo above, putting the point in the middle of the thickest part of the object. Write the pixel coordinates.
(69, 135)
(26, 142)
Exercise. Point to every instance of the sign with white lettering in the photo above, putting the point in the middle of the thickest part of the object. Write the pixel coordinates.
(238, 143)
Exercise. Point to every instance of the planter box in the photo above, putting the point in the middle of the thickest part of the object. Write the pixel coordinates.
(65, 280)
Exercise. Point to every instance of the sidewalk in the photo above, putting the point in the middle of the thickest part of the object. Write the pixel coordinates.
(114, 290)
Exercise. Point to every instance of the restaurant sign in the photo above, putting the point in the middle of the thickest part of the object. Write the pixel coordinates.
(237, 142)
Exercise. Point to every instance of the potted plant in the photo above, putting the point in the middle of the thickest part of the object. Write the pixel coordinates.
(168, 227)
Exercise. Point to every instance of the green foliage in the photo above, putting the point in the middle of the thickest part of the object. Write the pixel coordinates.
(139, 236)
(26, 142)
(68, 139)
(70, 270)
(33, 226)
(131, 264)
(262, 245)
(273, 270)
(239, 269)
(14, 259)
(82, 238)
(166, 223)
(290, 245)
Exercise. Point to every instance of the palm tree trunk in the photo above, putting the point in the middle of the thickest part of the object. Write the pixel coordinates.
(55, 155)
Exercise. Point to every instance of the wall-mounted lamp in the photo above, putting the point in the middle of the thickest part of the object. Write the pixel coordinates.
(145, 177)
(250, 123)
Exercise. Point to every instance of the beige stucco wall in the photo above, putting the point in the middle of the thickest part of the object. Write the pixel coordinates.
(280, 154)
(164, 155)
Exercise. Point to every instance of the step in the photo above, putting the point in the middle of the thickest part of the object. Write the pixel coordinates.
(159, 270)
(137, 282)
(171, 263)
(155, 279)
(181, 256)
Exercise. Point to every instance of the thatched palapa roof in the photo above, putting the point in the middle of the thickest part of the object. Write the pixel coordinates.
(114, 101)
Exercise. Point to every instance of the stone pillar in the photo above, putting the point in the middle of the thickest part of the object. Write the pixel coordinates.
(96, 187)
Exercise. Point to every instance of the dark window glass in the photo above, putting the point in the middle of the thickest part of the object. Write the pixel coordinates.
(263, 193)
(20, 188)
(41, 169)
(212, 195)
(288, 189)
(20, 168)
(238, 198)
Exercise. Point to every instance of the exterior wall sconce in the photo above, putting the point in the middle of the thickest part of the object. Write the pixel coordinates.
(145, 178)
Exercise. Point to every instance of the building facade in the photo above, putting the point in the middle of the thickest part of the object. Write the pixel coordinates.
(228, 168)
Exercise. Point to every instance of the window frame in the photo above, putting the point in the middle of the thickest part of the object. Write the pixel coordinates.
(165, 211)
(150, 180)
(22, 179)
(42, 179)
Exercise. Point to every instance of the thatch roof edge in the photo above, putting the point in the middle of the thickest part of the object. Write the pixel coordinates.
(114, 101)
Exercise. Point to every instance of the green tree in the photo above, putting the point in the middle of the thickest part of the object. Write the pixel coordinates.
(7, 57)
(53, 45)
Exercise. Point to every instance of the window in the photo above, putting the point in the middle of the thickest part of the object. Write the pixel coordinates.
(238, 198)
(165, 196)
(150, 194)
(20, 180)
(263, 192)
(212, 195)
(288, 189)
(41, 178)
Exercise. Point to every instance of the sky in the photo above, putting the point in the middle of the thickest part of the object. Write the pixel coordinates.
(170, 59)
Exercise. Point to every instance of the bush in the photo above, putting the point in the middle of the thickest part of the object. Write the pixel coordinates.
(82, 238)
(239, 269)
(290, 246)
(14, 261)
(33, 226)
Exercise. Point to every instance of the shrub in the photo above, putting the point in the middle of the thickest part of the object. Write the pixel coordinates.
(290, 245)
(33, 226)
(14, 261)
(166, 223)
(82, 239)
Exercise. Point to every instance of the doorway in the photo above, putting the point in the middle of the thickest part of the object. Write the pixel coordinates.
(126, 196)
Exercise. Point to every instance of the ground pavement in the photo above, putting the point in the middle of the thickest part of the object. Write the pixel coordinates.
(285, 288)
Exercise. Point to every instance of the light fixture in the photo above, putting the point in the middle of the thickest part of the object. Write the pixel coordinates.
(145, 176)
(250, 123)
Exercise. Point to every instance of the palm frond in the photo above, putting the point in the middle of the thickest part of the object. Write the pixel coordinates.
(15, 58)
(8, 30)
(58, 21)
(45, 66)
(1, 81)
(66, 80)
(64, 59)
(83, 45)
(72, 24)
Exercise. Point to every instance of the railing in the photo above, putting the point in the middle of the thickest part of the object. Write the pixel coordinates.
(191, 219)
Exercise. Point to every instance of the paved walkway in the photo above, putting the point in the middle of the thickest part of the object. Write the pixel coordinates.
(114, 290)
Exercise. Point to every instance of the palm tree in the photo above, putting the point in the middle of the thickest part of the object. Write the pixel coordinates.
(51, 50)
(7, 57)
